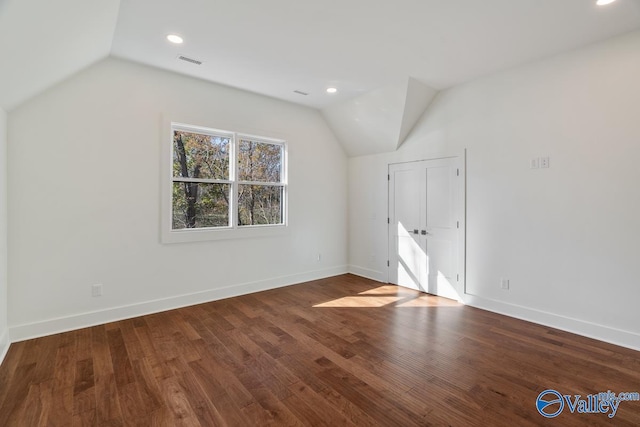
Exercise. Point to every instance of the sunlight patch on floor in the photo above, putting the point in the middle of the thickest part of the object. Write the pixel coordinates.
(389, 294)
(390, 290)
(429, 301)
(360, 301)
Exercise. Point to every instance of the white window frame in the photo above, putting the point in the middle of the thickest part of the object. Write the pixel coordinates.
(233, 230)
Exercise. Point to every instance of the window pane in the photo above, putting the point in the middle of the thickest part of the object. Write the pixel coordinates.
(259, 162)
(259, 204)
(198, 205)
(200, 156)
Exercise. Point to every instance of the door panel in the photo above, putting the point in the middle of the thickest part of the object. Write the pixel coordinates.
(439, 197)
(441, 237)
(441, 258)
(428, 197)
(407, 198)
(406, 212)
(442, 277)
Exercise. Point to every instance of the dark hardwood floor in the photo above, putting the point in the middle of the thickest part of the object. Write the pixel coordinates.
(339, 351)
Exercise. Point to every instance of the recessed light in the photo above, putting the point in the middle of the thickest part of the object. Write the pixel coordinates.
(331, 90)
(604, 2)
(173, 38)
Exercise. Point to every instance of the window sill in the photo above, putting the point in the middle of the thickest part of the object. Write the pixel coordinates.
(203, 235)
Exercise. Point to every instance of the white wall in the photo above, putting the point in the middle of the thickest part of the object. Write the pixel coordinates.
(566, 237)
(4, 330)
(85, 198)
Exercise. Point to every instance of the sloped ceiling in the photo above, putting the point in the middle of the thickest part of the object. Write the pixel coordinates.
(44, 42)
(362, 47)
(277, 46)
(379, 121)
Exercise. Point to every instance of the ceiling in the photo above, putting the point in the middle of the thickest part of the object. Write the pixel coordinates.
(43, 42)
(275, 47)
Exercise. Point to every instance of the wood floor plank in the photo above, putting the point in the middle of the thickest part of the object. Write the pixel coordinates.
(345, 407)
(148, 386)
(84, 395)
(367, 397)
(341, 351)
(312, 409)
(120, 358)
(206, 413)
(221, 381)
(152, 354)
(178, 403)
(108, 411)
(225, 405)
(8, 369)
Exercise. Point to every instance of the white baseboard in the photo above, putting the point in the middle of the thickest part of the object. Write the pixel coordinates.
(580, 327)
(77, 321)
(4, 344)
(378, 276)
(84, 320)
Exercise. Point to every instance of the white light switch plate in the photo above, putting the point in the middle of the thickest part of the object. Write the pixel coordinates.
(535, 163)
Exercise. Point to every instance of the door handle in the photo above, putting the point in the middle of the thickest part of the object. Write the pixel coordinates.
(424, 232)
(415, 231)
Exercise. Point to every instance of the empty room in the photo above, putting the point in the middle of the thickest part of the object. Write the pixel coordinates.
(310, 213)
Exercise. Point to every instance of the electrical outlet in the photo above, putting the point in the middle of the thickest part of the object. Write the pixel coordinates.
(504, 284)
(544, 162)
(96, 290)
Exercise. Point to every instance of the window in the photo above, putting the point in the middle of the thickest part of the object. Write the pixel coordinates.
(260, 189)
(226, 180)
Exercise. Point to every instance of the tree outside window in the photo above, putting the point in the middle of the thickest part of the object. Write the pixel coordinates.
(222, 178)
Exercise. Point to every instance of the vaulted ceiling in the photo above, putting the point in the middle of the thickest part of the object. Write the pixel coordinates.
(42, 42)
(276, 47)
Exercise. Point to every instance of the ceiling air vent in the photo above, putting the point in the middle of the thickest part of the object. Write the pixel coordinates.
(299, 92)
(191, 60)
